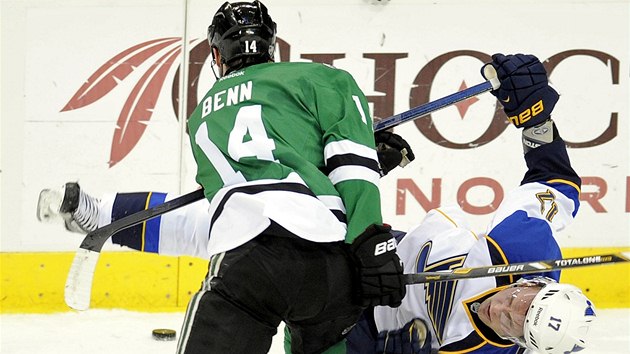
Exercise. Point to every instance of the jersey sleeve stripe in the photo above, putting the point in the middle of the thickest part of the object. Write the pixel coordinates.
(151, 232)
(347, 173)
(568, 189)
(144, 224)
(136, 236)
(348, 147)
(564, 181)
(349, 160)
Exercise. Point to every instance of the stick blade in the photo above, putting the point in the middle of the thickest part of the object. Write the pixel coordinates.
(78, 289)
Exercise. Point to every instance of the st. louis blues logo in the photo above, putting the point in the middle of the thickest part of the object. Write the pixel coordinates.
(590, 311)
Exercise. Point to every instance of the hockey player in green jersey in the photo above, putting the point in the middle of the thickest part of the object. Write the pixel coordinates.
(285, 154)
(180, 232)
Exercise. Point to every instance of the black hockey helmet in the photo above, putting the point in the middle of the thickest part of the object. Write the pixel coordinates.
(243, 33)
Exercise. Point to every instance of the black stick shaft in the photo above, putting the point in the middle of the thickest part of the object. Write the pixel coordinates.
(517, 268)
(95, 240)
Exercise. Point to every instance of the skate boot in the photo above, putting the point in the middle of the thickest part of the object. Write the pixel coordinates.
(78, 210)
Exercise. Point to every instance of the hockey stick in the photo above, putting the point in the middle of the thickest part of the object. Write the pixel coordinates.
(517, 268)
(433, 106)
(78, 286)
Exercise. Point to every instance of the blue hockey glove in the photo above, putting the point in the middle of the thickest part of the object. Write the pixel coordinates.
(413, 338)
(392, 151)
(379, 274)
(525, 93)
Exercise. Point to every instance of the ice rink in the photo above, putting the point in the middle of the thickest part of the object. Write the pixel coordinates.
(118, 331)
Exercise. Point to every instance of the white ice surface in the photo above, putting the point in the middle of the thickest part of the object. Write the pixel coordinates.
(118, 331)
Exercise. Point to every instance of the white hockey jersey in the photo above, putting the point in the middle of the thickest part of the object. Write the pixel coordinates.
(522, 230)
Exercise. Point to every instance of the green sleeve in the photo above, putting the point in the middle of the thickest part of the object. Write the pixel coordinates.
(350, 151)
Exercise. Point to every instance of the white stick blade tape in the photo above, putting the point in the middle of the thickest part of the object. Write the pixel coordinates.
(79, 282)
(490, 73)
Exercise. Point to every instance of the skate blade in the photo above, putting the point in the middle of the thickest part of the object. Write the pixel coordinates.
(48, 206)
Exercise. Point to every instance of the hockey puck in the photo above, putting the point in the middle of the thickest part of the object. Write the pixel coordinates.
(164, 334)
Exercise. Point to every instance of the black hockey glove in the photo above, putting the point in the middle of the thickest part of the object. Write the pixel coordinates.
(413, 338)
(392, 151)
(379, 279)
(525, 93)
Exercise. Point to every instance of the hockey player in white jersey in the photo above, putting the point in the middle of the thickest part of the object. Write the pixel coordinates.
(491, 315)
(507, 314)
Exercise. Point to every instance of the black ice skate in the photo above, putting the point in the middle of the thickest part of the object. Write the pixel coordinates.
(78, 210)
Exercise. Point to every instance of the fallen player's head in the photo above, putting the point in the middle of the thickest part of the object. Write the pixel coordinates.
(541, 315)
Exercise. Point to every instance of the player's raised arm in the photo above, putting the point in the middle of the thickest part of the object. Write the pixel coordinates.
(548, 198)
(493, 314)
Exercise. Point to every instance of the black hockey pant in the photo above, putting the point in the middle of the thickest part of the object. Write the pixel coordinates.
(249, 290)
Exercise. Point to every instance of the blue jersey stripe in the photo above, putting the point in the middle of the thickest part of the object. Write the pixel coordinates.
(569, 189)
(152, 229)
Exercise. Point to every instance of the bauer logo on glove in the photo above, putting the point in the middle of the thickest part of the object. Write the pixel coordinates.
(525, 93)
(379, 274)
(530, 113)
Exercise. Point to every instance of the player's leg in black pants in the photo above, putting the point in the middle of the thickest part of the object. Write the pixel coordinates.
(251, 289)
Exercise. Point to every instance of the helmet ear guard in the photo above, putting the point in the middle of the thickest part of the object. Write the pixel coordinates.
(243, 33)
(558, 320)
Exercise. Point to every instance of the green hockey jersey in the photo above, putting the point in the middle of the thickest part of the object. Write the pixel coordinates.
(288, 142)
